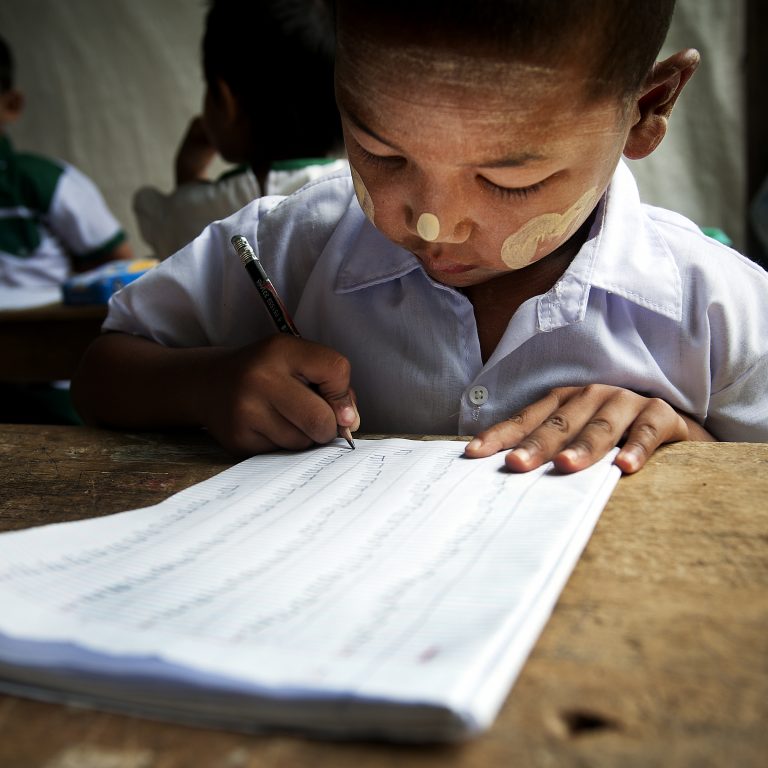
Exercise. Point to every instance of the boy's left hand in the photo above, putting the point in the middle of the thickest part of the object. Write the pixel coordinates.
(576, 426)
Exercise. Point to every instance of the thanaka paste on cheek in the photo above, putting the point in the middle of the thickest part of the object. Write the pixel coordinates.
(519, 249)
(366, 203)
(428, 227)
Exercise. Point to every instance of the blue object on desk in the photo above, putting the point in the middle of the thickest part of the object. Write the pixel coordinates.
(97, 285)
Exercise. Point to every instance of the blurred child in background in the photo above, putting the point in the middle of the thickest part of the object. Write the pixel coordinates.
(53, 219)
(269, 107)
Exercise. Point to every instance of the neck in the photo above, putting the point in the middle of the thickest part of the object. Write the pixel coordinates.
(495, 301)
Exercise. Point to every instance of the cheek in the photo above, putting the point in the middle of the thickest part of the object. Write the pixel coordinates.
(363, 197)
(521, 247)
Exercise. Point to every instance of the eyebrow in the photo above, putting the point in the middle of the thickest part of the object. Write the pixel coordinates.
(353, 118)
(509, 161)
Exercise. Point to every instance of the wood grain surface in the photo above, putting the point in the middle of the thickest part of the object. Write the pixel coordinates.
(656, 654)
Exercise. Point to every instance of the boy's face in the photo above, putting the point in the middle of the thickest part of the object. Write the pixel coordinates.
(477, 166)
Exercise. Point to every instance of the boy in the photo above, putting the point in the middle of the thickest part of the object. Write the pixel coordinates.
(52, 217)
(283, 129)
(492, 273)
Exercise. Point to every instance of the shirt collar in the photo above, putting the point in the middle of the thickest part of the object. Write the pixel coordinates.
(640, 268)
(370, 258)
(624, 254)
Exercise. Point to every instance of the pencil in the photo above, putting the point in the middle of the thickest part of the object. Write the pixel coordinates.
(272, 301)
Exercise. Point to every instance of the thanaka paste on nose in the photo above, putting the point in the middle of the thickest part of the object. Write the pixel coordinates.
(428, 227)
(519, 249)
(366, 203)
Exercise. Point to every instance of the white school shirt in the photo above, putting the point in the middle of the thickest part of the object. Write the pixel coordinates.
(50, 214)
(168, 222)
(649, 303)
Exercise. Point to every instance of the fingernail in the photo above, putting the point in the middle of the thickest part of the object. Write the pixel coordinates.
(631, 457)
(475, 444)
(570, 453)
(347, 415)
(522, 453)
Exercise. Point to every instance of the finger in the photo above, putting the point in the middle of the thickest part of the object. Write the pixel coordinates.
(266, 432)
(657, 424)
(345, 408)
(556, 432)
(510, 433)
(330, 372)
(589, 425)
(322, 366)
(306, 409)
(601, 432)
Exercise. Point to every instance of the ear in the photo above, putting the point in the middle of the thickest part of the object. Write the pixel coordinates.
(11, 105)
(654, 103)
(227, 100)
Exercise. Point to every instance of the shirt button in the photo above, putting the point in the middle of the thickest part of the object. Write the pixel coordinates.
(478, 395)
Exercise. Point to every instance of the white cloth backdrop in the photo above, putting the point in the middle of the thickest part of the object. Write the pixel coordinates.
(112, 84)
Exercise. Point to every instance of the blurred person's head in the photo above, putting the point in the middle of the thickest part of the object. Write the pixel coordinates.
(268, 68)
(11, 98)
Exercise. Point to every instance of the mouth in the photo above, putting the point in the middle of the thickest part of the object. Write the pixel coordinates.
(435, 262)
(444, 268)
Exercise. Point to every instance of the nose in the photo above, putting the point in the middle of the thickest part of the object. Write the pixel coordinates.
(437, 220)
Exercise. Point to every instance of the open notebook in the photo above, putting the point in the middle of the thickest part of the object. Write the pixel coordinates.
(393, 592)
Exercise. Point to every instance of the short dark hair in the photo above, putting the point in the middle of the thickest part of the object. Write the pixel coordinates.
(622, 37)
(6, 67)
(277, 58)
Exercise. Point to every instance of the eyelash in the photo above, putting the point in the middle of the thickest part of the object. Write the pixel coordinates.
(378, 160)
(506, 193)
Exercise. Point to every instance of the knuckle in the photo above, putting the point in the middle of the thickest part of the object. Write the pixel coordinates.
(625, 397)
(534, 443)
(601, 424)
(515, 425)
(558, 395)
(594, 390)
(583, 446)
(645, 431)
(639, 446)
(558, 422)
(340, 366)
(658, 406)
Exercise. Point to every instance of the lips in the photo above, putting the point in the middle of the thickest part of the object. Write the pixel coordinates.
(435, 262)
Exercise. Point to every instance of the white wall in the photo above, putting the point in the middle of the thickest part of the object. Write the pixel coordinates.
(112, 84)
(700, 167)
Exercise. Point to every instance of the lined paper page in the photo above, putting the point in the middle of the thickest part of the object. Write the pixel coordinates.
(399, 571)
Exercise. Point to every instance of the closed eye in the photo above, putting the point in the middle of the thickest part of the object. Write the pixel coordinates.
(370, 158)
(507, 192)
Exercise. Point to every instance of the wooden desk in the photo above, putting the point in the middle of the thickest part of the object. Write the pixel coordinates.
(46, 343)
(656, 654)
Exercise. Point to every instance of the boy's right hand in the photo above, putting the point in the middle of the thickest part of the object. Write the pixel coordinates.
(283, 392)
(195, 154)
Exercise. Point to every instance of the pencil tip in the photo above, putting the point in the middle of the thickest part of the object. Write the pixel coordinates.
(347, 435)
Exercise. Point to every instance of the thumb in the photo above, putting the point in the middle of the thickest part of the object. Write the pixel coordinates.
(345, 408)
(329, 372)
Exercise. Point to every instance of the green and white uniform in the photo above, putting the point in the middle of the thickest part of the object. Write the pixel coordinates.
(50, 215)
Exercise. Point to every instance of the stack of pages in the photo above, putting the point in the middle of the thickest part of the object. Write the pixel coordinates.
(392, 592)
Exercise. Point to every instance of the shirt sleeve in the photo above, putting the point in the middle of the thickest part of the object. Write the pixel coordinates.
(201, 295)
(80, 218)
(168, 222)
(738, 326)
